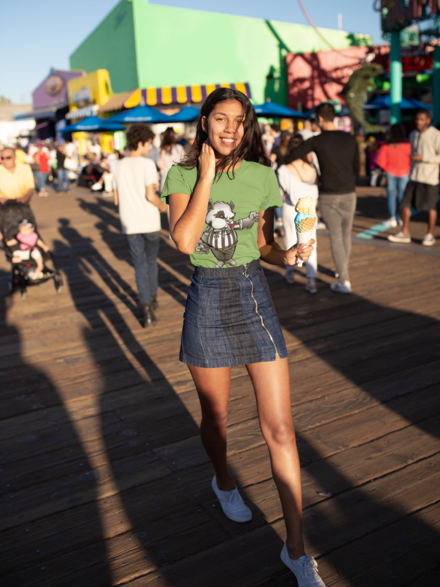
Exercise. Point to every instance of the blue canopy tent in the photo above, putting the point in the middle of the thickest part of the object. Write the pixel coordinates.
(187, 114)
(93, 123)
(384, 103)
(140, 114)
(274, 110)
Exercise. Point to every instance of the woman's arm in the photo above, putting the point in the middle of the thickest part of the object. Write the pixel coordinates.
(187, 214)
(161, 163)
(271, 252)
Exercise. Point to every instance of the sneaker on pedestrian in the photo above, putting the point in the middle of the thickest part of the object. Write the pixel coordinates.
(400, 222)
(390, 223)
(343, 288)
(311, 286)
(400, 237)
(279, 222)
(232, 504)
(150, 319)
(96, 186)
(428, 240)
(289, 275)
(304, 568)
(321, 225)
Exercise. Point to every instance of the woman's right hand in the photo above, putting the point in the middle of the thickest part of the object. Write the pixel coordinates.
(207, 162)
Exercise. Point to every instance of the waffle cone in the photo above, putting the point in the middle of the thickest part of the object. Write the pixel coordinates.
(307, 224)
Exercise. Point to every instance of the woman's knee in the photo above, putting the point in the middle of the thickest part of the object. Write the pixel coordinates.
(280, 433)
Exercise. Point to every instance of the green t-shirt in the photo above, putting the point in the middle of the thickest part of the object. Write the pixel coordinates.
(230, 234)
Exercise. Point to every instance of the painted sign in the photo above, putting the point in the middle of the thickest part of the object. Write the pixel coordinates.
(93, 88)
(52, 91)
(313, 78)
(54, 84)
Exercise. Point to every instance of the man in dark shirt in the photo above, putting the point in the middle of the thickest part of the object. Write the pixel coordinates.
(62, 172)
(338, 156)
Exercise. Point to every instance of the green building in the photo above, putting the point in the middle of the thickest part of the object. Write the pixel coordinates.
(144, 45)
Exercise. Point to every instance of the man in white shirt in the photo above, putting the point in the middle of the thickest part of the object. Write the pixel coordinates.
(135, 178)
(422, 189)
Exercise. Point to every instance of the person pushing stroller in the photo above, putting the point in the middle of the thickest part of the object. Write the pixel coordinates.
(25, 245)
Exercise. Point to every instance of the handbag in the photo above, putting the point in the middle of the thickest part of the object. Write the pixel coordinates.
(70, 164)
(35, 167)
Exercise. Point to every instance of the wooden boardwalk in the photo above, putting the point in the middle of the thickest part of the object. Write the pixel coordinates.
(104, 480)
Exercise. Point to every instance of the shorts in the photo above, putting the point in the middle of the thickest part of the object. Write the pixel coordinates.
(25, 255)
(420, 196)
(230, 319)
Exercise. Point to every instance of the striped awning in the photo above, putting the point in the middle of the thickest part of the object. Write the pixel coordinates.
(121, 101)
(184, 94)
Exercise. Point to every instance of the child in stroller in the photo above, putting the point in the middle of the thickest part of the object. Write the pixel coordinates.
(25, 245)
(32, 261)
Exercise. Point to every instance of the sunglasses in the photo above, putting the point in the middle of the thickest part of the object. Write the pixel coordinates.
(5, 158)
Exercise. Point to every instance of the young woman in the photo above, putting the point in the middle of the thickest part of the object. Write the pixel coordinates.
(170, 152)
(221, 200)
(394, 159)
(298, 180)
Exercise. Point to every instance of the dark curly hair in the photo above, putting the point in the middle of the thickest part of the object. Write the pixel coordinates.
(396, 134)
(251, 147)
(139, 133)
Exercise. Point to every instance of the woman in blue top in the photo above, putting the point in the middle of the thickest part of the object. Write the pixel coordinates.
(222, 199)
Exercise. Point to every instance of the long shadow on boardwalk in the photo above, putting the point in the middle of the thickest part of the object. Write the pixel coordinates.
(43, 469)
(168, 518)
(387, 358)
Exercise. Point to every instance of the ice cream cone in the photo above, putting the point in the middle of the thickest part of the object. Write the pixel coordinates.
(303, 237)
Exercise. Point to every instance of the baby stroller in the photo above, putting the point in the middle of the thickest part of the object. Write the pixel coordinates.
(14, 214)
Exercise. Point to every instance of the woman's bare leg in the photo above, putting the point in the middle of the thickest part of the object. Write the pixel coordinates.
(214, 387)
(271, 382)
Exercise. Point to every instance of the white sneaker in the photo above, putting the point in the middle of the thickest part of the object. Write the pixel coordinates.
(321, 225)
(343, 288)
(304, 568)
(400, 238)
(311, 286)
(429, 240)
(279, 222)
(391, 223)
(289, 275)
(232, 504)
(96, 187)
(400, 221)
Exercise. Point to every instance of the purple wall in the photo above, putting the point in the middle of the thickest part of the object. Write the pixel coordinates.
(53, 90)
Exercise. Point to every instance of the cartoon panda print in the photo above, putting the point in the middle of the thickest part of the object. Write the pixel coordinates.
(220, 236)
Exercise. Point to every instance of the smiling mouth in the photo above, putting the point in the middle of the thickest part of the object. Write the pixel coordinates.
(227, 141)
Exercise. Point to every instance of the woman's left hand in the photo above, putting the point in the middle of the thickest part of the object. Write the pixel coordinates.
(299, 252)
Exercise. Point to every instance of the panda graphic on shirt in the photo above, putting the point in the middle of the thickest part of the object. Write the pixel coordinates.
(220, 236)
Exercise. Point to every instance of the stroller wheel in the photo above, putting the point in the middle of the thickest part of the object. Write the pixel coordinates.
(23, 295)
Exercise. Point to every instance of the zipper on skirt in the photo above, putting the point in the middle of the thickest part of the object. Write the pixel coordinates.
(256, 309)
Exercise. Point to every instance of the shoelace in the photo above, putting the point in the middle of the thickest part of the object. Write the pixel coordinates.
(234, 498)
(310, 567)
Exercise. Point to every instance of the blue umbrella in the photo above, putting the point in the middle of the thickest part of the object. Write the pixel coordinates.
(187, 114)
(384, 102)
(93, 123)
(140, 114)
(274, 110)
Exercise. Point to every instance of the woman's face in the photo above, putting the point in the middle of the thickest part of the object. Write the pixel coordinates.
(225, 126)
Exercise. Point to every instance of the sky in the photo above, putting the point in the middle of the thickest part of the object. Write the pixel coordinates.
(36, 35)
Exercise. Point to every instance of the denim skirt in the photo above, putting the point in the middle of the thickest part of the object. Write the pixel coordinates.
(230, 319)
